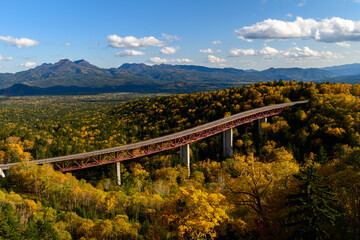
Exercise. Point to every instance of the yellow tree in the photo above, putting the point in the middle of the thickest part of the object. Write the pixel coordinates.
(251, 184)
(253, 180)
(194, 213)
(260, 188)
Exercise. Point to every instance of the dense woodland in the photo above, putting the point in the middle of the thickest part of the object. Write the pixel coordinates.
(299, 180)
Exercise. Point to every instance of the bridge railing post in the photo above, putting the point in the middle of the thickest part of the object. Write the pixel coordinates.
(185, 155)
(260, 121)
(4, 172)
(228, 143)
(118, 173)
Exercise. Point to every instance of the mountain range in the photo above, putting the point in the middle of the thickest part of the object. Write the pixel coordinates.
(81, 77)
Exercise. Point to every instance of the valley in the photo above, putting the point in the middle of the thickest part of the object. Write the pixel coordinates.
(249, 194)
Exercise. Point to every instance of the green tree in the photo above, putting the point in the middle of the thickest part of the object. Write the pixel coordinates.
(9, 223)
(311, 208)
(40, 230)
(322, 157)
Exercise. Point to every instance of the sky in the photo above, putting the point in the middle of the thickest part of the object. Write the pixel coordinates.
(256, 34)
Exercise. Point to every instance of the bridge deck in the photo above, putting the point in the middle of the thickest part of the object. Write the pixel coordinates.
(161, 139)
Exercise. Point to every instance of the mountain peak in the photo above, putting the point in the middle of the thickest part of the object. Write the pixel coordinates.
(127, 65)
(135, 67)
(62, 61)
(85, 63)
(82, 62)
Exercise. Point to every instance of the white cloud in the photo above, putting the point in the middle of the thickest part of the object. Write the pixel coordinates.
(170, 37)
(163, 60)
(209, 50)
(28, 64)
(269, 51)
(295, 52)
(68, 44)
(327, 30)
(338, 30)
(302, 3)
(343, 44)
(289, 15)
(5, 58)
(266, 52)
(213, 59)
(216, 42)
(128, 53)
(306, 52)
(169, 50)
(19, 42)
(235, 52)
(133, 42)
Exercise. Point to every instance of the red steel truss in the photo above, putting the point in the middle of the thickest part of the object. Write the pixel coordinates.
(142, 151)
(144, 148)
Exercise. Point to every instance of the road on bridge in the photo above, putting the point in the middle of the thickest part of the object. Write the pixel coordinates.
(151, 146)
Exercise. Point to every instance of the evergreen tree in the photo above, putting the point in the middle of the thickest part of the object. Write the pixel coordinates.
(322, 157)
(311, 208)
(40, 230)
(9, 223)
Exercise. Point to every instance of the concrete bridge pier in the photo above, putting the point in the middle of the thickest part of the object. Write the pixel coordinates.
(4, 172)
(228, 143)
(185, 155)
(118, 173)
(260, 121)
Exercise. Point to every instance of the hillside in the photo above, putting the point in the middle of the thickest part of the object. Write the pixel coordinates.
(251, 195)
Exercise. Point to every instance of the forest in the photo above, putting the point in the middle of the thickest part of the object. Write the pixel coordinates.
(300, 179)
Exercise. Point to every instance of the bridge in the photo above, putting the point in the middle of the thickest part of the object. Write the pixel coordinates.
(180, 139)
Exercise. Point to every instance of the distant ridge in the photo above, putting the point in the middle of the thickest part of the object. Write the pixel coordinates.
(344, 70)
(19, 89)
(72, 77)
(297, 74)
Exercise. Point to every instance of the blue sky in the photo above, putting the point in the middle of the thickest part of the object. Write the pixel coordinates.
(227, 33)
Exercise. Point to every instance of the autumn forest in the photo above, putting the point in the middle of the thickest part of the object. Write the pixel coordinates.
(299, 179)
